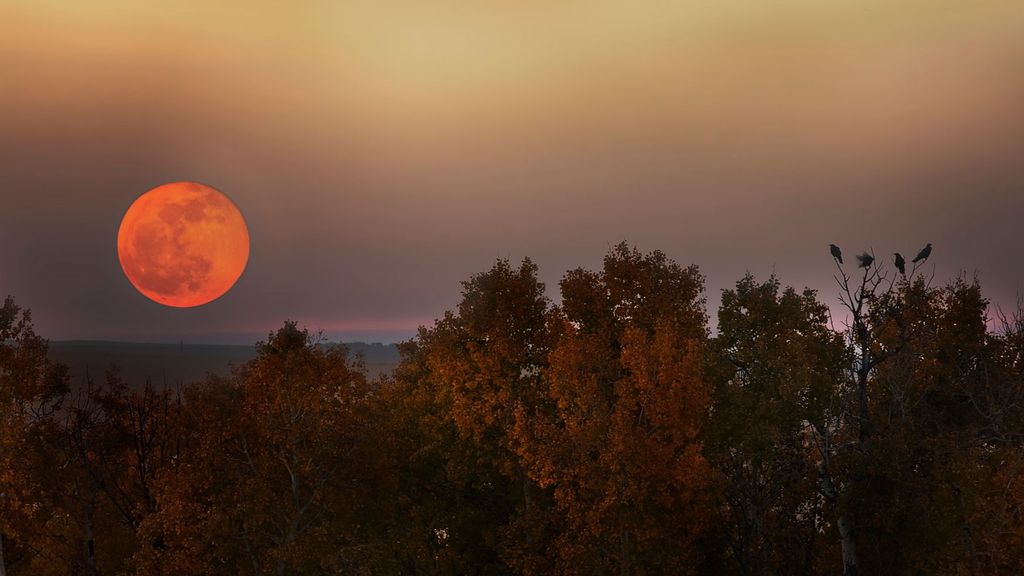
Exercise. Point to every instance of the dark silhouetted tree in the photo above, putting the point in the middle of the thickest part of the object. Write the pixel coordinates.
(776, 366)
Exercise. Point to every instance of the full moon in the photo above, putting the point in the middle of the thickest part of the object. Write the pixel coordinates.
(183, 244)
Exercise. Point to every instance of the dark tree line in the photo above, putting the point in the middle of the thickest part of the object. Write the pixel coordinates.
(611, 433)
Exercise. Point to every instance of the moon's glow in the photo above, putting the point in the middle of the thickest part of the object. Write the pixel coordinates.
(183, 244)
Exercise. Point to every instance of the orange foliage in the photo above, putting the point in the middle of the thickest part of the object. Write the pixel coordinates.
(610, 433)
(617, 438)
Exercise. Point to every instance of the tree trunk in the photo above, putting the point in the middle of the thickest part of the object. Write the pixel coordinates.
(624, 567)
(864, 414)
(850, 565)
(3, 561)
(90, 546)
(843, 521)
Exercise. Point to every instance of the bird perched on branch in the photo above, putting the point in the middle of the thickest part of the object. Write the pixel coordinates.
(923, 254)
(836, 252)
(865, 260)
(901, 264)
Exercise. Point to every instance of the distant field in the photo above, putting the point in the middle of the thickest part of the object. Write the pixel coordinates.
(174, 363)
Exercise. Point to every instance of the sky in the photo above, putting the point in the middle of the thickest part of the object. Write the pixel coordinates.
(382, 152)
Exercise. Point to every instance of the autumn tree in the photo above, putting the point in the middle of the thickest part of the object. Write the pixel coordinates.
(86, 470)
(904, 456)
(616, 435)
(945, 424)
(75, 467)
(607, 433)
(275, 471)
(82, 532)
(843, 431)
(912, 429)
(461, 382)
(775, 367)
(31, 389)
(993, 512)
(112, 444)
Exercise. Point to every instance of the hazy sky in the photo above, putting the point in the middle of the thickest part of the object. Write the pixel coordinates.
(384, 151)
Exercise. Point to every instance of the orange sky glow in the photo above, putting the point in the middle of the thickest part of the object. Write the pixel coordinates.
(384, 151)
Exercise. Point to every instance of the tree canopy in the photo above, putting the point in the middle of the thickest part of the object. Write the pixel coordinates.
(610, 428)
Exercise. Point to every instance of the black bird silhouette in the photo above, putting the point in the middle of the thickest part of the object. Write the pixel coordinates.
(901, 264)
(836, 252)
(865, 260)
(923, 254)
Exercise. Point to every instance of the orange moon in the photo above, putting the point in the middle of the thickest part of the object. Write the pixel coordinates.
(183, 244)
